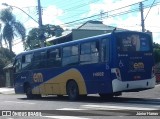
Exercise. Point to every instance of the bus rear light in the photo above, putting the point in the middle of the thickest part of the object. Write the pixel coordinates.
(117, 72)
(137, 77)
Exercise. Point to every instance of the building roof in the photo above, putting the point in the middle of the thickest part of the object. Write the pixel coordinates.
(65, 33)
(9, 66)
(97, 25)
(89, 25)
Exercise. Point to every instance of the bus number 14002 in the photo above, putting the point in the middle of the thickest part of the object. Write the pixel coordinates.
(98, 74)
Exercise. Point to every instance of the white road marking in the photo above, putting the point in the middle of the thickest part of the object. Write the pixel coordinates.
(70, 109)
(65, 117)
(112, 107)
(19, 102)
(157, 85)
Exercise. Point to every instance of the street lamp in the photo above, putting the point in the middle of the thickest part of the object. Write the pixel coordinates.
(5, 4)
(39, 23)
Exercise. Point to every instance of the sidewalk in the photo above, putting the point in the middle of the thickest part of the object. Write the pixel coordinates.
(6, 90)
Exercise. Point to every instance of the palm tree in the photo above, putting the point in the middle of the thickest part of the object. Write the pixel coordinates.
(12, 28)
(0, 37)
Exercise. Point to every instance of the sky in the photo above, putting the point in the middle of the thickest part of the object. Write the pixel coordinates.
(113, 13)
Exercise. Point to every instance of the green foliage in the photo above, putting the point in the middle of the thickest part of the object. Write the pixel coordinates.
(5, 58)
(32, 40)
(156, 52)
(157, 55)
(48, 44)
(11, 28)
(35, 35)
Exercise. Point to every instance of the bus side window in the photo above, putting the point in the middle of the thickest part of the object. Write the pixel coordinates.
(85, 53)
(89, 52)
(95, 52)
(54, 58)
(105, 50)
(39, 60)
(26, 61)
(70, 55)
(18, 65)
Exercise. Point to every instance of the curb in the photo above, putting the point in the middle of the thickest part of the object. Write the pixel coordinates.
(7, 91)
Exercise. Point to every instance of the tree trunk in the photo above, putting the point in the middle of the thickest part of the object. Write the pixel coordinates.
(10, 45)
(1, 40)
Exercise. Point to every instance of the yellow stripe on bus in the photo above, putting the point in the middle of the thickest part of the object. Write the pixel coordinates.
(57, 85)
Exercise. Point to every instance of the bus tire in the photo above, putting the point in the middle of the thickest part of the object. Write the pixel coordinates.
(72, 90)
(60, 96)
(106, 96)
(29, 94)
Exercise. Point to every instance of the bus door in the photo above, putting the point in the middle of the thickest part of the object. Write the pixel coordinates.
(105, 86)
(134, 56)
(21, 72)
(17, 74)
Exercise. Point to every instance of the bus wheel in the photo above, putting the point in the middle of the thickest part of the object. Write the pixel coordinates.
(72, 90)
(59, 96)
(29, 92)
(106, 96)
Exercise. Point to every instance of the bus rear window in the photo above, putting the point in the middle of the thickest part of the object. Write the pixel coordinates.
(133, 42)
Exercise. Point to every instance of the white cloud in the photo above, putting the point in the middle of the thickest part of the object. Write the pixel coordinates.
(130, 21)
(21, 9)
(18, 7)
(18, 48)
(20, 3)
(109, 5)
(51, 14)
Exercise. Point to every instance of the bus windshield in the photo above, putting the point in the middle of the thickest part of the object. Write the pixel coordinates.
(133, 42)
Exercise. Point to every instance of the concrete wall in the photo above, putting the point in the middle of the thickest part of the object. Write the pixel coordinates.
(2, 81)
(80, 33)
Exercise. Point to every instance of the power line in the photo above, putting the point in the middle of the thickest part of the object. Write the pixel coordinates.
(149, 10)
(113, 15)
(99, 14)
(79, 6)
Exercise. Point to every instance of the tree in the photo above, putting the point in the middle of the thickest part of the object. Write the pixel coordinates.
(0, 37)
(5, 58)
(34, 37)
(156, 52)
(52, 30)
(12, 28)
(32, 40)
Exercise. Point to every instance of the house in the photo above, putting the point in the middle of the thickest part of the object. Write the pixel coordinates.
(8, 75)
(88, 29)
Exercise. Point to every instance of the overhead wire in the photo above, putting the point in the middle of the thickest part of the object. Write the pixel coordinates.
(149, 10)
(113, 15)
(98, 14)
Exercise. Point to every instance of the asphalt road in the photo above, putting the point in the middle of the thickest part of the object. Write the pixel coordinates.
(129, 105)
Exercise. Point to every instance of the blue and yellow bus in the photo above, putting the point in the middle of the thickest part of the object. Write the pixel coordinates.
(107, 65)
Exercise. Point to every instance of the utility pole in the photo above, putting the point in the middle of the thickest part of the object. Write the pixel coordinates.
(142, 18)
(41, 35)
